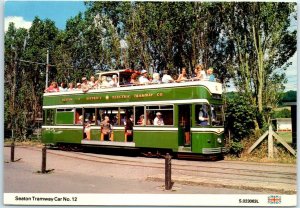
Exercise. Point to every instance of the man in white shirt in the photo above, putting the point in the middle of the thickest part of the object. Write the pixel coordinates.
(143, 79)
(158, 121)
(114, 81)
(167, 78)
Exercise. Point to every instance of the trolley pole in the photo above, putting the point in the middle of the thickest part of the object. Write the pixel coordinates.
(168, 182)
(44, 154)
(12, 152)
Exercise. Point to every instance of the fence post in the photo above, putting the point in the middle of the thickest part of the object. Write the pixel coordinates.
(270, 143)
(12, 152)
(44, 154)
(168, 183)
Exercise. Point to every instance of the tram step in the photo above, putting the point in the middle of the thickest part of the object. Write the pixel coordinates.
(184, 149)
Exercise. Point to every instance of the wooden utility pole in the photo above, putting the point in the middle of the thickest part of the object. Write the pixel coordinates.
(47, 68)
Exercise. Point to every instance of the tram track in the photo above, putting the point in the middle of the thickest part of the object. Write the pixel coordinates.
(193, 168)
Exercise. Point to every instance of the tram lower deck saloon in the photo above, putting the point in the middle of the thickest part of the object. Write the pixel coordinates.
(182, 117)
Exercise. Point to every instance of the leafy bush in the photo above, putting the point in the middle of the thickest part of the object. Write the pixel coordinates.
(236, 148)
(240, 117)
(284, 113)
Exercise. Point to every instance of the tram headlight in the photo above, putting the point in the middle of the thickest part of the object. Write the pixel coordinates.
(219, 140)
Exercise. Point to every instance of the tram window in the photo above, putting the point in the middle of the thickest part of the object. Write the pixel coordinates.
(139, 116)
(166, 112)
(48, 116)
(125, 112)
(152, 107)
(90, 116)
(202, 115)
(166, 107)
(65, 110)
(217, 115)
(64, 116)
(112, 113)
(150, 116)
(78, 116)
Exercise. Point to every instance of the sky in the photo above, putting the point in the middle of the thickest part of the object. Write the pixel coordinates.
(22, 14)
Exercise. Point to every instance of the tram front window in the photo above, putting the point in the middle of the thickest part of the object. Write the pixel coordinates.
(217, 118)
(202, 115)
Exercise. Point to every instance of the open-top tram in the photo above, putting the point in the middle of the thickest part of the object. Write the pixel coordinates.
(192, 114)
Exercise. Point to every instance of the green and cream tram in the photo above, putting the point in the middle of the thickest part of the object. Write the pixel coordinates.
(181, 106)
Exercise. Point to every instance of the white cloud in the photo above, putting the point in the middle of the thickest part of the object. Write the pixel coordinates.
(19, 22)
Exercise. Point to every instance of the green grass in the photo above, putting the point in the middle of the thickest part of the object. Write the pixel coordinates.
(260, 153)
(287, 136)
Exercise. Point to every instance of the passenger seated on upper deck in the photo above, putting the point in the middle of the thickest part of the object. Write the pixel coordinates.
(78, 86)
(98, 83)
(133, 79)
(71, 87)
(104, 82)
(84, 85)
(114, 81)
(166, 77)
(156, 78)
(144, 77)
(200, 73)
(63, 87)
(52, 88)
(92, 84)
(183, 76)
(210, 76)
(203, 116)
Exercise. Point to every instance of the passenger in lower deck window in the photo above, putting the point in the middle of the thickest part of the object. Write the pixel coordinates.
(141, 120)
(87, 131)
(106, 130)
(158, 121)
(80, 120)
(129, 129)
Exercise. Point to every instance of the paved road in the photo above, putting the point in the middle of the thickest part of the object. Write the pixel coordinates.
(77, 172)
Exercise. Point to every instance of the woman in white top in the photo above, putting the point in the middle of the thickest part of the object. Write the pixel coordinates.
(200, 73)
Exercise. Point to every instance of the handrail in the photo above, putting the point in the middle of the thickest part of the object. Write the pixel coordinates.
(127, 86)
